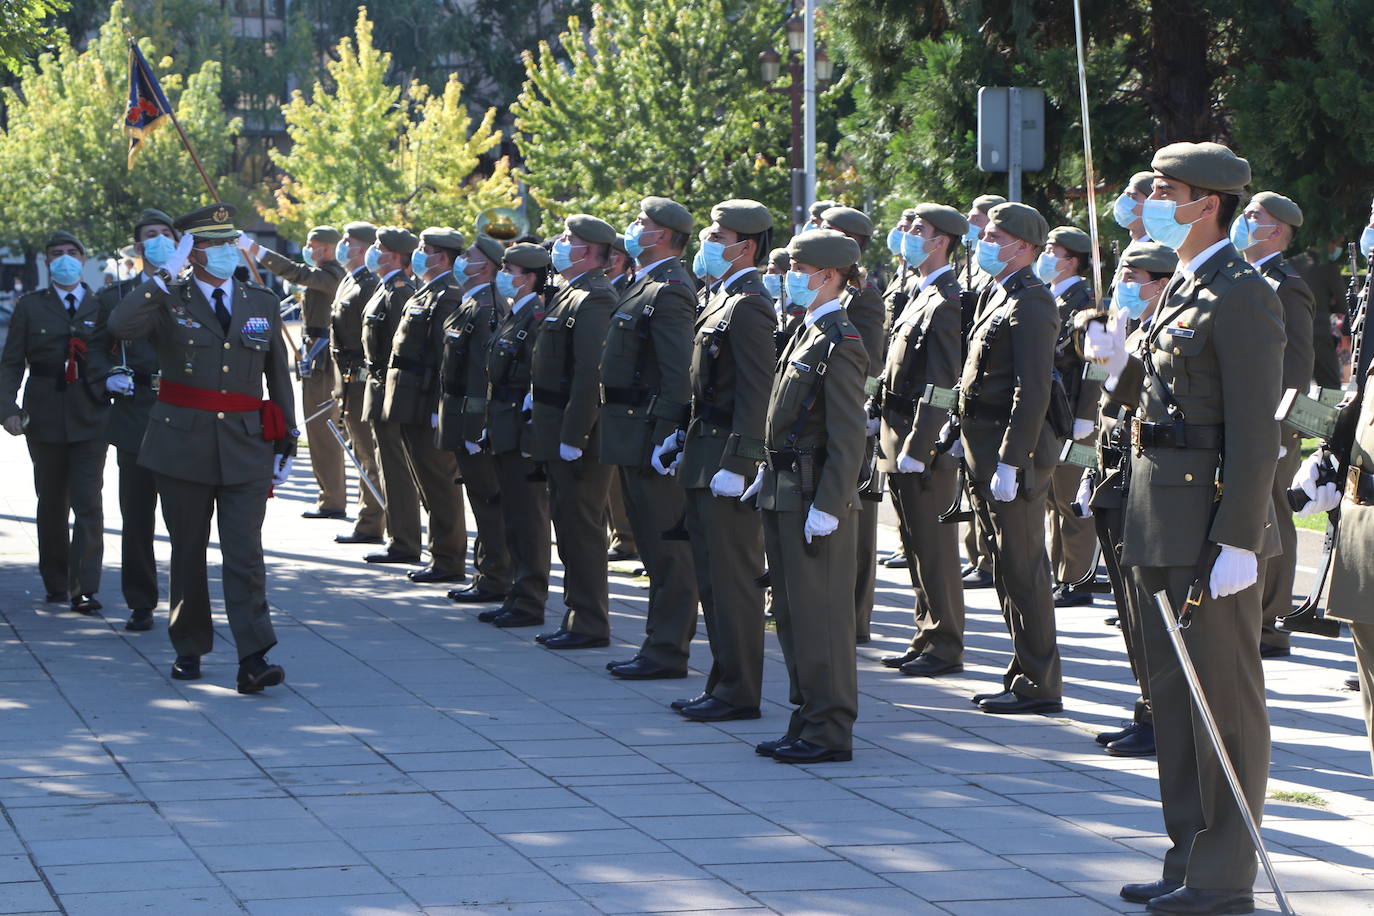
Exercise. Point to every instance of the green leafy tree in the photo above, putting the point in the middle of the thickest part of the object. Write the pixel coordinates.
(655, 98)
(25, 27)
(66, 161)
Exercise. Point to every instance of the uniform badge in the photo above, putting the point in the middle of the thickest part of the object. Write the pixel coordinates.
(800, 366)
(221, 215)
(1180, 331)
(256, 326)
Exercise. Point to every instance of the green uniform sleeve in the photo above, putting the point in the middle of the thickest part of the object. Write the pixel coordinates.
(751, 343)
(316, 278)
(843, 393)
(1033, 326)
(589, 338)
(672, 332)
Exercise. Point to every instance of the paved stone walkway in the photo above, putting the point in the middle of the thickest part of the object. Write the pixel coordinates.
(419, 761)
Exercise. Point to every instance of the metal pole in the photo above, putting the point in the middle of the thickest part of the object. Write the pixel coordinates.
(362, 475)
(1014, 142)
(1175, 631)
(1088, 152)
(809, 163)
(797, 187)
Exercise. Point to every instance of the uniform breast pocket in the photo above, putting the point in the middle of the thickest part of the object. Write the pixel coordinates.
(253, 357)
(621, 338)
(1192, 368)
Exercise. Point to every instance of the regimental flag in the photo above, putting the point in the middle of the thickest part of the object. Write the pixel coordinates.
(148, 107)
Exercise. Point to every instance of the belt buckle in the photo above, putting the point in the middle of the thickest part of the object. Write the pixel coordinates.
(1352, 484)
(155, 382)
(1136, 436)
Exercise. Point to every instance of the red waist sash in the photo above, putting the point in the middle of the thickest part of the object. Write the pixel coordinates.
(273, 420)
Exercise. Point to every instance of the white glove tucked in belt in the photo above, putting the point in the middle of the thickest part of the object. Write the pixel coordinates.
(569, 452)
(753, 489)
(908, 465)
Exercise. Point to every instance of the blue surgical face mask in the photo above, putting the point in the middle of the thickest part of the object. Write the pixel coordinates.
(308, 256)
(419, 262)
(634, 241)
(505, 285)
(341, 251)
(915, 249)
(460, 268)
(373, 259)
(1046, 267)
(562, 255)
(971, 236)
(1367, 241)
(158, 249)
(699, 266)
(1123, 211)
(1162, 224)
(990, 257)
(1242, 233)
(221, 260)
(799, 289)
(713, 257)
(1129, 298)
(894, 241)
(65, 269)
(773, 283)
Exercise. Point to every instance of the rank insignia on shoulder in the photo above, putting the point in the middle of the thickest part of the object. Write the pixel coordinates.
(848, 333)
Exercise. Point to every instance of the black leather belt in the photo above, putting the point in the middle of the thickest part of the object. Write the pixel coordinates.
(1170, 435)
(148, 379)
(405, 364)
(511, 393)
(971, 409)
(709, 413)
(625, 397)
(550, 397)
(904, 406)
(1359, 486)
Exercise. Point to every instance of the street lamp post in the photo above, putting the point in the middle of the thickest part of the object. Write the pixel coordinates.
(802, 149)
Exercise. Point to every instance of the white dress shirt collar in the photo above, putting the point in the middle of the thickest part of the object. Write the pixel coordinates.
(821, 311)
(927, 279)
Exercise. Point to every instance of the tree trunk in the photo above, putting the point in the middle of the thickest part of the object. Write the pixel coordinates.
(1177, 73)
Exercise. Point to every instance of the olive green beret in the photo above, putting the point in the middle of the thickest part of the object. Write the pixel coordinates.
(1020, 221)
(820, 206)
(528, 256)
(1279, 207)
(779, 259)
(63, 238)
(151, 217)
(1142, 183)
(986, 202)
(1072, 238)
(491, 249)
(746, 217)
(443, 237)
(1151, 256)
(823, 248)
(849, 221)
(909, 213)
(397, 239)
(618, 244)
(667, 213)
(215, 221)
(945, 219)
(363, 232)
(1209, 166)
(590, 229)
(327, 234)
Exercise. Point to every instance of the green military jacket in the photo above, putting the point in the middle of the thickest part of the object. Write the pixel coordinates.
(1352, 571)
(463, 340)
(646, 364)
(210, 447)
(381, 318)
(565, 366)
(926, 350)
(896, 295)
(831, 431)
(1217, 341)
(865, 309)
(1083, 393)
(732, 375)
(346, 336)
(412, 375)
(321, 285)
(129, 413)
(40, 330)
(1005, 393)
(1298, 354)
(508, 376)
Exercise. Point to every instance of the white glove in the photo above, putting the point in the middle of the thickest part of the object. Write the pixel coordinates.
(1082, 429)
(245, 242)
(119, 383)
(1328, 497)
(181, 255)
(529, 403)
(1283, 452)
(1004, 484)
(753, 489)
(871, 427)
(908, 465)
(281, 472)
(727, 484)
(1085, 495)
(568, 452)
(1106, 344)
(671, 443)
(1305, 478)
(1234, 571)
(819, 524)
(434, 421)
(472, 447)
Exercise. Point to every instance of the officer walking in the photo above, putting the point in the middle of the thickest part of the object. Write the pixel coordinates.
(216, 446)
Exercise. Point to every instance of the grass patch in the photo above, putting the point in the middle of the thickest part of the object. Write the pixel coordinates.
(1311, 522)
(1299, 798)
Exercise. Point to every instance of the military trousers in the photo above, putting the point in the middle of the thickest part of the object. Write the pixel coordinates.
(932, 561)
(866, 566)
(326, 457)
(491, 552)
(68, 478)
(1363, 634)
(622, 535)
(975, 545)
(1109, 535)
(1073, 540)
(1278, 574)
(525, 504)
(1326, 366)
(1021, 573)
(727, 553)
(398, 486)
(371, 520)
(1211, 847)
(187, 508)
(138, 512)
(656, 504)
(436, 475)
(577, 507)
(813, 598)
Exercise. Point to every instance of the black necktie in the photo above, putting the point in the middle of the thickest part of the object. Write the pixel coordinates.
(221, 312)
(71, 305)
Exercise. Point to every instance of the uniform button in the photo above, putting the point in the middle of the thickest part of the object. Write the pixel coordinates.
(630, 412)
(147, 295)
(166, 419)
(1030, 454)
(932, 451)
(220, 415)
(224, 368)
(1177, 351)
(226, 345)
(1188, 477)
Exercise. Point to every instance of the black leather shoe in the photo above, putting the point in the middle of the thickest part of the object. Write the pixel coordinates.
(392, 555)
(1113, 622)
(928, 665)
(896, 560)
(978, 698)
(140, 620)
(434, 574)
(643, 669)
(356, 538)
(682, 704)
(1194, 901)
(1267, 650)
(976, 578)
(1064, 596)
(186, 668)
(769, 748)
(615, 555)
(803, 751)
(1352, 682)
(510, 619)
(1144, 893)
(1139, 743)
(56, 597)
(545, 637)
(1106, 738)
(473, 594)
(85, 604)
(255, 673)
(489, 614)
(324, 513)
(611, 666)
(897, 661)
(713, 710)
(1012, 703)
(570, 640)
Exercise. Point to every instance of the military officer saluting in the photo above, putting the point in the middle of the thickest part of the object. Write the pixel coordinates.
(130, 370)
(1011, 449)
(1262, 233)
(926, 350)
(320, 275)
(214, 443)
(808, 491)
(64, 417)
(1206, 379)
